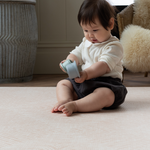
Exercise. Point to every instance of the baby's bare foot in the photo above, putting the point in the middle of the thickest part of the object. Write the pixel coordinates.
(57, 105)
(68, 108)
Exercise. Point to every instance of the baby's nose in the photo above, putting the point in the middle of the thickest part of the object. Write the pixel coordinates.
(91, 35)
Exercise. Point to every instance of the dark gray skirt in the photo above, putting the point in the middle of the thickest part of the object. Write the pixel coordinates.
(88, 86)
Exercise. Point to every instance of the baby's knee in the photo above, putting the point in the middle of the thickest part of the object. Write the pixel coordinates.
(64, 83)
(110, 97)
(107, 93)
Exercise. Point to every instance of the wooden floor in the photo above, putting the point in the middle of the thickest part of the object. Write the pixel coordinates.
(130, 80)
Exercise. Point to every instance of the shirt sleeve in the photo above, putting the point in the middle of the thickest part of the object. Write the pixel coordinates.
(78, 51)
(112, 55)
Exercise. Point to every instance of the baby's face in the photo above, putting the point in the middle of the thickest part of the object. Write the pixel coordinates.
(96, 33)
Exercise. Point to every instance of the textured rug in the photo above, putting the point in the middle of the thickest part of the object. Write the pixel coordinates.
(26, 122)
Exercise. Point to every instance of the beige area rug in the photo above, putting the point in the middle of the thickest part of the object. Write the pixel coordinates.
(26, 122)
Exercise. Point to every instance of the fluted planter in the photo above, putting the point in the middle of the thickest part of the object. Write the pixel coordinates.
(18, 40)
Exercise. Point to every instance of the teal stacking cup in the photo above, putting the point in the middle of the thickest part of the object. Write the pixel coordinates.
(71, 68)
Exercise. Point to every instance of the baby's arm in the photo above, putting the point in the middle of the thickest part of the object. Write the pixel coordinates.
(97, 69)
(73, 58)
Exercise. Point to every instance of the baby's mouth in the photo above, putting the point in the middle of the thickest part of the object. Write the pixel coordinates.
(94, 41)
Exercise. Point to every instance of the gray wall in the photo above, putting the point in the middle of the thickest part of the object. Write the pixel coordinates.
(59, 33)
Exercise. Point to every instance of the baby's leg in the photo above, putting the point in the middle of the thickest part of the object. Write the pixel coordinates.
(65, 93)
(100, 98)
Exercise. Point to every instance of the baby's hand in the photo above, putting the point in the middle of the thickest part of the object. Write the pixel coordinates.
(83, 77)
(61, 67)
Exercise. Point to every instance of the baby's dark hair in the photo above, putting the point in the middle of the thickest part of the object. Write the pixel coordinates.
(90, 9)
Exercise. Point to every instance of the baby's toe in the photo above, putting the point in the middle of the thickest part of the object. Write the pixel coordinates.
(52, 110)
(68, 114)
(65, 111)
(61, 107)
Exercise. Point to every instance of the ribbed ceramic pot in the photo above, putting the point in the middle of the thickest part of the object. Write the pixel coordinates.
(18, 40)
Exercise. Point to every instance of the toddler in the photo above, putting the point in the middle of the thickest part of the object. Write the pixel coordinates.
(99, 54)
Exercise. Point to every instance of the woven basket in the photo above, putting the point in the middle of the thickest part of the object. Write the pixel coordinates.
(18, 40)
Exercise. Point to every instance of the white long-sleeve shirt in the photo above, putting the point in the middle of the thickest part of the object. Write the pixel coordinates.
(110, 51)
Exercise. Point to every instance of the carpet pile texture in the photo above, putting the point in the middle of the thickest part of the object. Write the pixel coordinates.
(26, 122)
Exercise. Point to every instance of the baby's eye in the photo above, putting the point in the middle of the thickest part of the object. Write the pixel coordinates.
(85, 30)
(95, 30)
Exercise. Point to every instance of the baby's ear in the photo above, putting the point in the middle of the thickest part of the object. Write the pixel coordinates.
(111, 23)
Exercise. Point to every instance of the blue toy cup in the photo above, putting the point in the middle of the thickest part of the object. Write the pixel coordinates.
(67, 62)
(71, 68)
